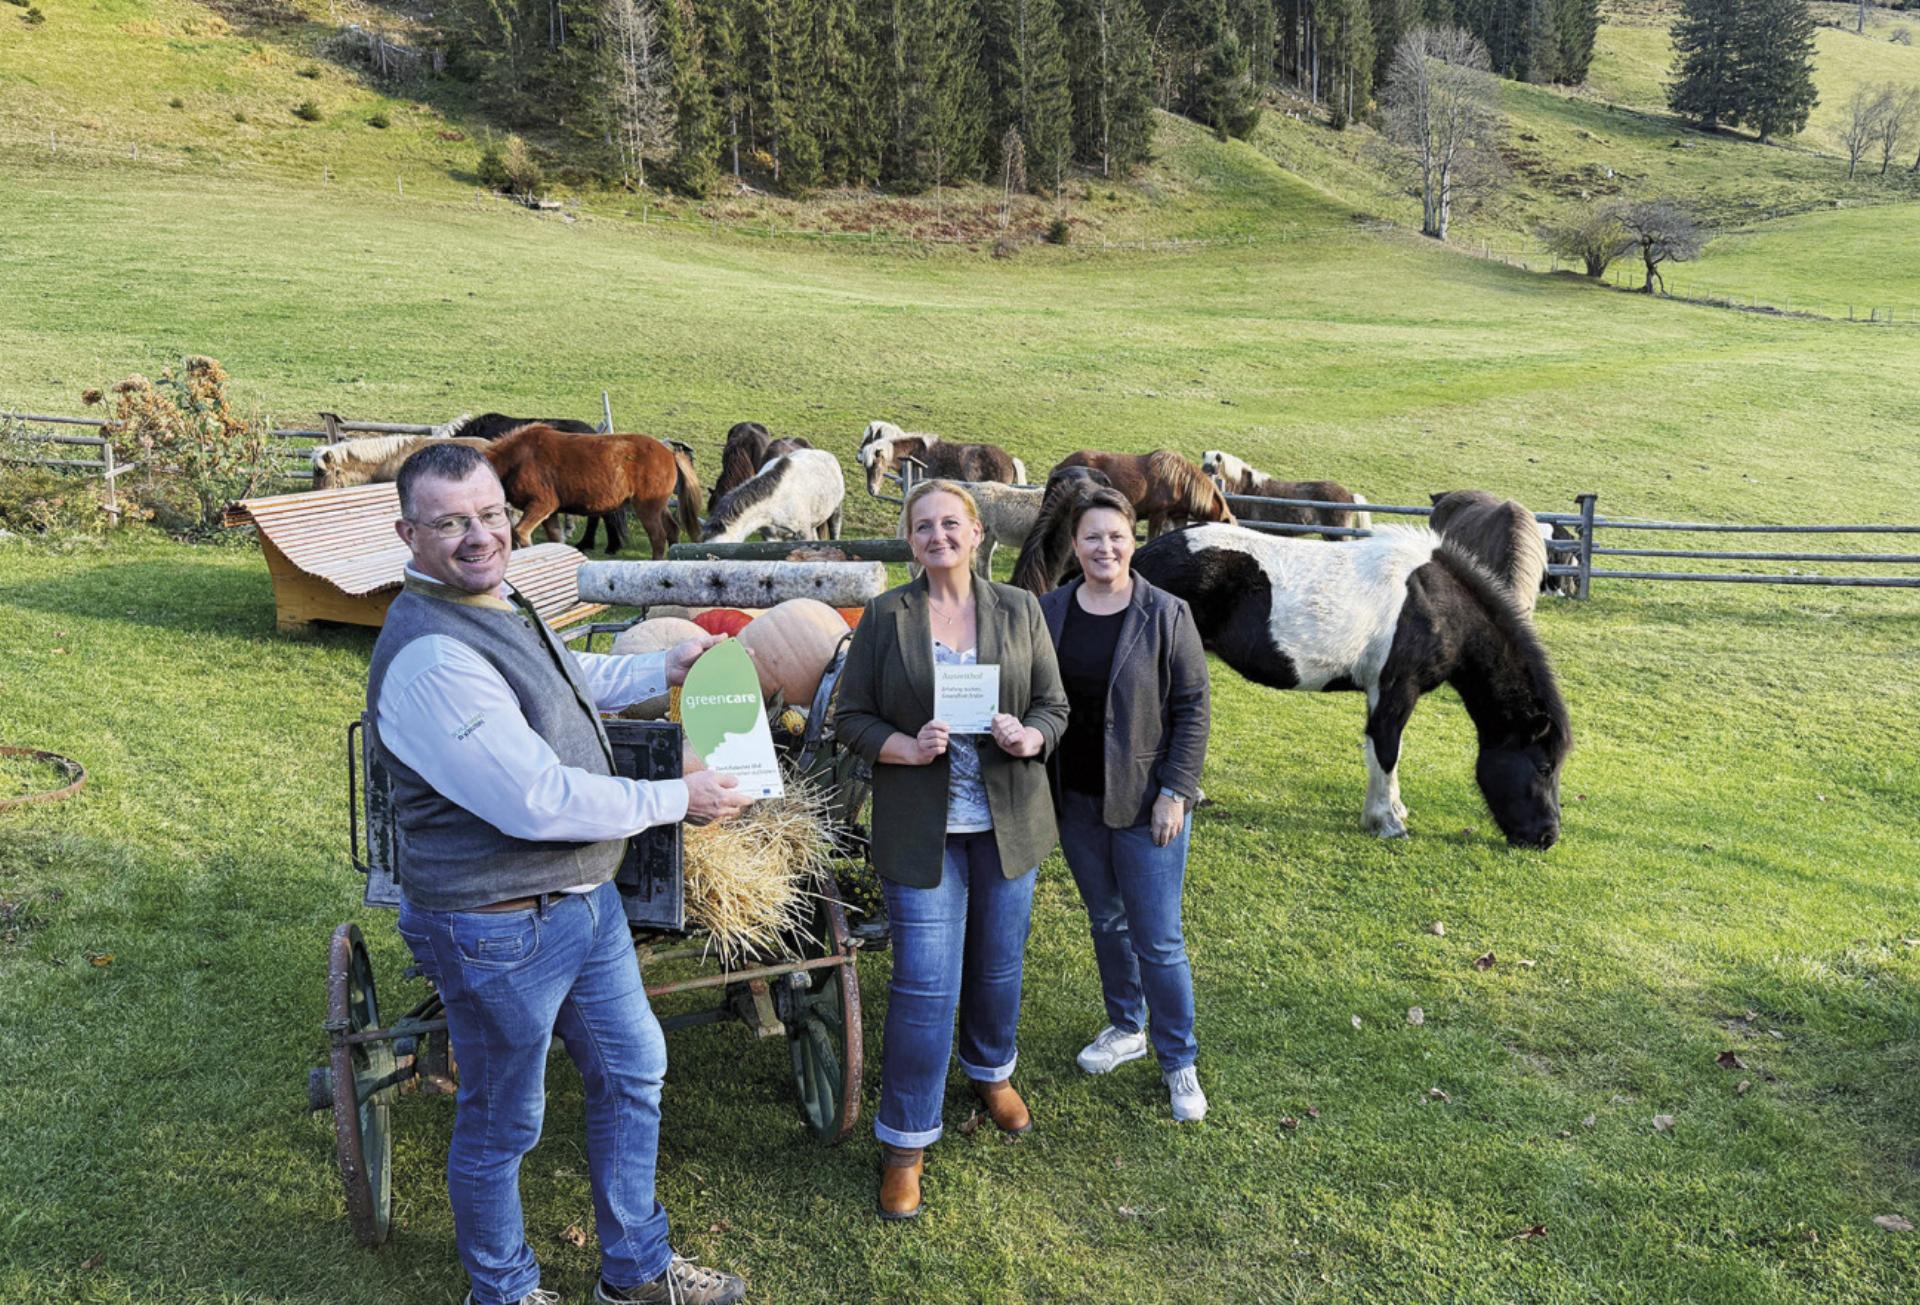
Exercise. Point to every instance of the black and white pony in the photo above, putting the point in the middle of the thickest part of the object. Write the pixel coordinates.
(1394, 616)
(795, 496)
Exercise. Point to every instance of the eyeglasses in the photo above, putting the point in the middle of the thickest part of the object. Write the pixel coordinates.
(453, 527)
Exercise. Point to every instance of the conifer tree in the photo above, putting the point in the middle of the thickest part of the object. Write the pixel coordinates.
(696, 131)
(724, 24)
(1575, 25)
(1706, 71)
(1774, 53)
(1027, 83)
(938, 104)
(1111, 81)
(1226, 98)
(1348, 28)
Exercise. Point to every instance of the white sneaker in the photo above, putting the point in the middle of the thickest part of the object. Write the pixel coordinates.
(1111, 1050)
(1189, 1102)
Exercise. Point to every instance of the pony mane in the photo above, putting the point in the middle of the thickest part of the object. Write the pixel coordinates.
(1510, 619)
(756, 489)
(375, 448)
(1196, 493)
(448, 429)
(1501, 533)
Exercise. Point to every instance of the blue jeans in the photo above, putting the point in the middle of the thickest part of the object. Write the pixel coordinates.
(511, 980)
(958, 946)
(1132, 892)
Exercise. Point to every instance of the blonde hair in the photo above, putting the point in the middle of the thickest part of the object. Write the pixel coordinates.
(928, 487)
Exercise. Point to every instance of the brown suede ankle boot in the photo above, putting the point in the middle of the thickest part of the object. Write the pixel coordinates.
(1004, 1106)
(900, 1180)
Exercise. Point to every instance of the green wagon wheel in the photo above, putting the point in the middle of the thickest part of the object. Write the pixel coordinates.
(824, 1034)
(363, 1087)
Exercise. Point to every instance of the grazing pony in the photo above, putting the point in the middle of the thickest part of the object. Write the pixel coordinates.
(546, 471)
(1162, 486)
(1393, 616)
(885, 446)
(1499, 534)
(494, 425)
(796, 496)
(374, 460)
(1046, 558)
(1236, 477)
(750, 447)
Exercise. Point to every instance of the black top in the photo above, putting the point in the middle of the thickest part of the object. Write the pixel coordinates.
(1086, 665)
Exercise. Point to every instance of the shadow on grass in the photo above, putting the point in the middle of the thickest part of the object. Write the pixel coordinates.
(174, 595)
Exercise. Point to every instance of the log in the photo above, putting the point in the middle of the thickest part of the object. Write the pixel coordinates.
(776, 550)
(731, 584)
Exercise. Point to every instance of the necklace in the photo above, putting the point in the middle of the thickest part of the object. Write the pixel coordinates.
(952, 613)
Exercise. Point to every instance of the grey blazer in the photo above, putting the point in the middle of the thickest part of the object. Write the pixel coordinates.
(1159, 707)
(887, 686)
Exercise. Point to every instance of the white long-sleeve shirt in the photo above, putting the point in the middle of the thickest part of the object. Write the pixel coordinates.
(451, 718)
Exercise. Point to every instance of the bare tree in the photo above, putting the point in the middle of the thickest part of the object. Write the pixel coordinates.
(1442, 109)
(1596, 239)
(1664, 232)
(1902, 108)
(1865, 109)
(1013, 171)
(644, 112)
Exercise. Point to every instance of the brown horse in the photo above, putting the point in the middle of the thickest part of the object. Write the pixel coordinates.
(749, 448)
(1162, 486)
(546, 471)
(1236, 477)
(885, 447)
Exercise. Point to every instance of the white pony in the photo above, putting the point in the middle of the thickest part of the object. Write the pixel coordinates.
(795, 496)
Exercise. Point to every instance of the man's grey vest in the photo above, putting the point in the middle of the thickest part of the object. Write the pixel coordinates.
(448, 858)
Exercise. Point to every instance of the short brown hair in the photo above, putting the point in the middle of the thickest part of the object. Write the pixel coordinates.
(1102, 496)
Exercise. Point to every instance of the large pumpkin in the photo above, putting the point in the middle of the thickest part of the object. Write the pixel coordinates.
(851, 615)
(791, 646)
(656, 635)
(723, 620)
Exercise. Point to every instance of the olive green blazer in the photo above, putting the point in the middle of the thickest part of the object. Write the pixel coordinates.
(887, 687)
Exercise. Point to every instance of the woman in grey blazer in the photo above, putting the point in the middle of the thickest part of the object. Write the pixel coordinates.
(960, 823)
(1126, 776)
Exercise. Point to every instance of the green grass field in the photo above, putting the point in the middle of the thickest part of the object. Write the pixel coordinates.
(1741, 814)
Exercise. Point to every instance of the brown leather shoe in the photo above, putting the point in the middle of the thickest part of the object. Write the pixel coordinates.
(900, 1181)
(1004, 1106)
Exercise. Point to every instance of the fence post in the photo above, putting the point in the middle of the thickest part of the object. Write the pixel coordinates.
(606, 408)
(113, 479)
(1585, 579)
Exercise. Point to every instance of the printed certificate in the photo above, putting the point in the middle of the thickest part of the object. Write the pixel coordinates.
(966, 697)
(726, 722)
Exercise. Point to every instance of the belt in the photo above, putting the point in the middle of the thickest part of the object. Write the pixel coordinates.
(538, 901)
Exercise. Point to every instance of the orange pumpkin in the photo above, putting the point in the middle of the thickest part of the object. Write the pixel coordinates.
(723, 620)
(656, 635)
(851, 615)
(791, 646)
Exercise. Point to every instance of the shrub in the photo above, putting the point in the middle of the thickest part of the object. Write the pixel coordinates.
(1901, 35)
(522, 169)
(239, 115)
(33, 17)
(310, 72)
(308, 111)
(1059, 231)
(197, 453)
(1005, 247)
(492, 170)
(176, 103)
(379, 119)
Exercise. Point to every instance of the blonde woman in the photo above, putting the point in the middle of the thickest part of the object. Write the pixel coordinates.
(960, 824)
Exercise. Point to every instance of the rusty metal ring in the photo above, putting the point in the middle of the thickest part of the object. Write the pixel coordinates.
(73, 770)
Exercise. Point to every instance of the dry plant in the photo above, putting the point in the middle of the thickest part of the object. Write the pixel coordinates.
(751, 881)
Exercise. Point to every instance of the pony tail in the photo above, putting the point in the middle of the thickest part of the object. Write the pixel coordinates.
(692, 497)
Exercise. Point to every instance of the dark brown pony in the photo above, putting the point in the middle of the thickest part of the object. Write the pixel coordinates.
(1236, 477)
(1046, 555)
(885, 447)
(1162, 486)
(749, 448)
(1498, 533)
(546, 471)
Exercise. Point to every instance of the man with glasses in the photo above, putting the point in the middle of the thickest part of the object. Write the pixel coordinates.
(511, 826)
